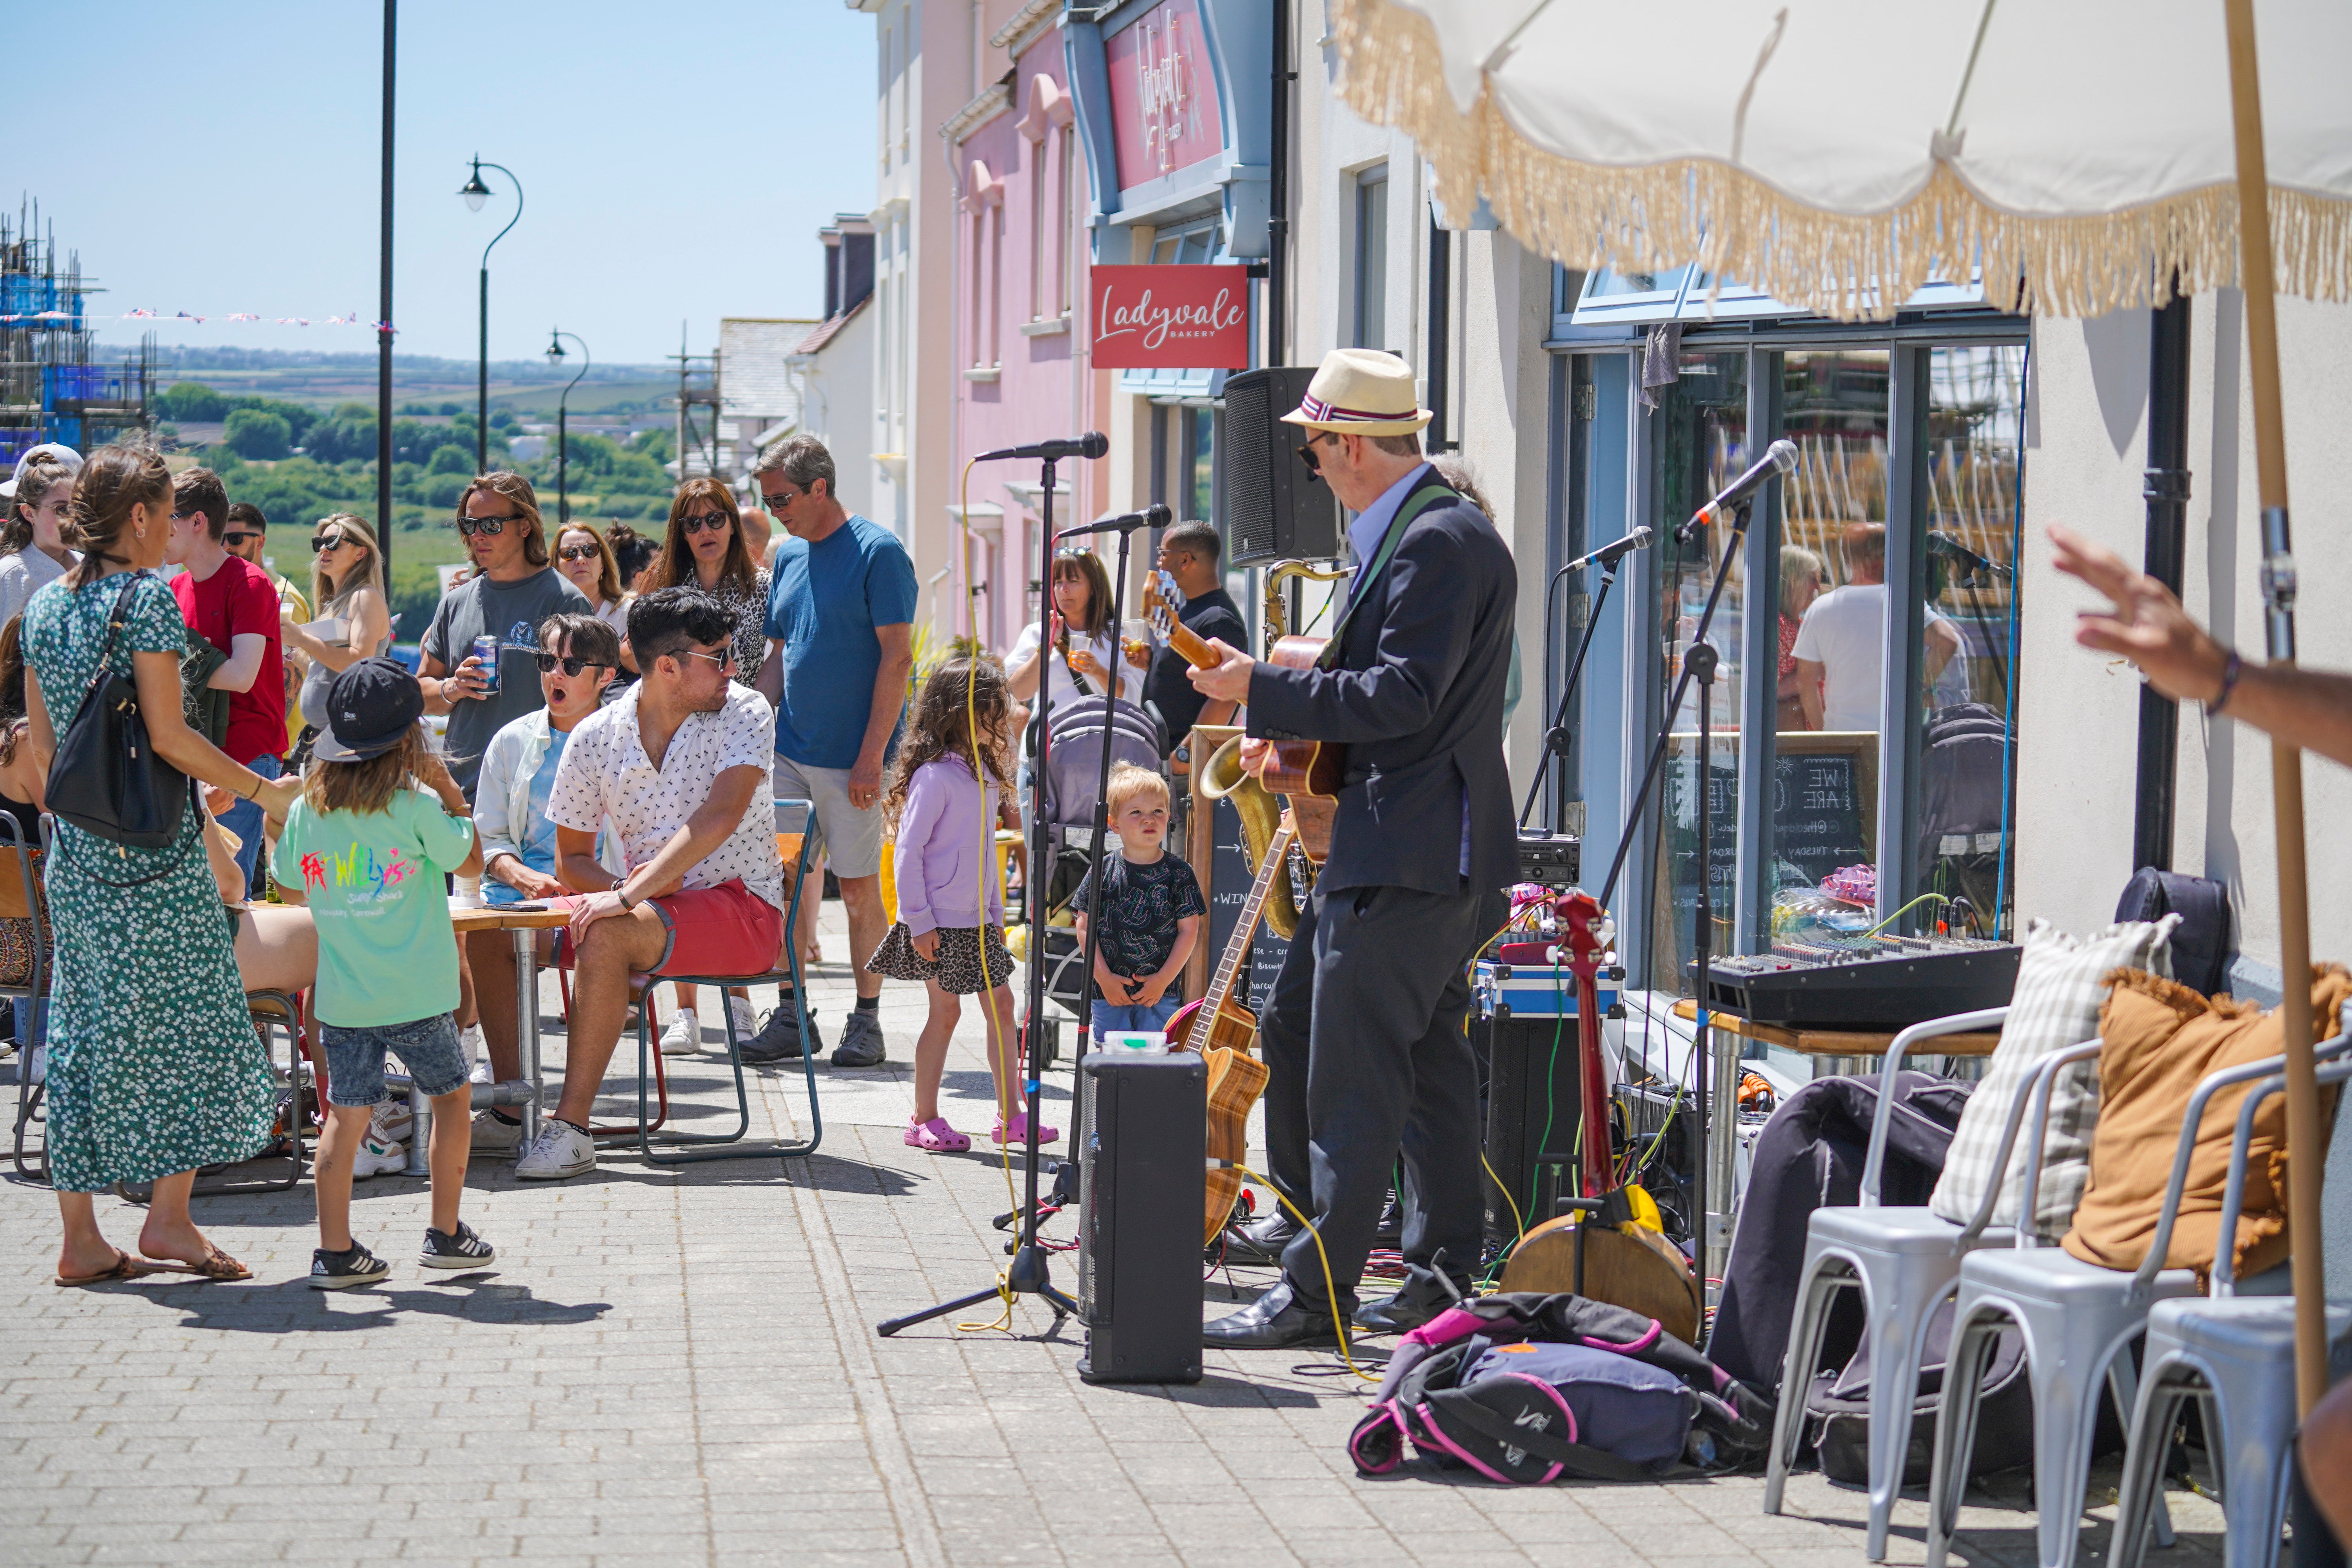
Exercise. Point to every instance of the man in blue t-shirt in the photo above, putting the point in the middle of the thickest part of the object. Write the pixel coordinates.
(841, 612)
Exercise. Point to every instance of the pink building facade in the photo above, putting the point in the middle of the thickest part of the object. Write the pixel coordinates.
(1021, 371)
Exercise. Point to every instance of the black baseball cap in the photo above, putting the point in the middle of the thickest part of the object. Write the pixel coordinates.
(369, 709)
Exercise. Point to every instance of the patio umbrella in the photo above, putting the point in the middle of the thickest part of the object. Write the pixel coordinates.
(2084, 157)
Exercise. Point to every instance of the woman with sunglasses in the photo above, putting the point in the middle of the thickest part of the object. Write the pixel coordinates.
(705, 548)
(347, 585)
(585, 559)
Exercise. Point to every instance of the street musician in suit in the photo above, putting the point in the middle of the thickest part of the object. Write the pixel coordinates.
(1363, 1032)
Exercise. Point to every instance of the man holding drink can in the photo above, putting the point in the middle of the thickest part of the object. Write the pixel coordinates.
(490, 619)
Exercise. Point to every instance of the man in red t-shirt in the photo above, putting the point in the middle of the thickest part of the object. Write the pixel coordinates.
(232, 605)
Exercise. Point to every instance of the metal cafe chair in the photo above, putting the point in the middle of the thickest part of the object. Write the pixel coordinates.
(687, 1148)
(1907, 1262)
(2235, 1355)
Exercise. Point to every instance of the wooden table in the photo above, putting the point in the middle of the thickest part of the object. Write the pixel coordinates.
(523, 919)
(1836, 1042)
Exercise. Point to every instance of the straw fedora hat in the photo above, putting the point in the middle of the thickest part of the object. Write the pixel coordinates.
(1360, 392)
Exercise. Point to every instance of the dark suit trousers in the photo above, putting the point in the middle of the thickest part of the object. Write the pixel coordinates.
(1366, 1058)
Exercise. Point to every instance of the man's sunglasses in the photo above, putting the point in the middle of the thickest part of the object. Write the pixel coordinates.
(547, 663)
(577, 553)
(780, 498)
(711, 521)
(238, 541)
(1307, 453)
(322, 542)
(723, 661)
(472, 525)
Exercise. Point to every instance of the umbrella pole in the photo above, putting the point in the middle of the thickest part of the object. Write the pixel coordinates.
(2304, 1138)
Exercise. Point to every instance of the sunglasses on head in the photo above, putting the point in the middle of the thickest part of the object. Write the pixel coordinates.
(711, 521)
(548, 662)
(471, 525)
(577, 553)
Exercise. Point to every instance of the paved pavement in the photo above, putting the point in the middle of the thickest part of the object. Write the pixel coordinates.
(675, 1367)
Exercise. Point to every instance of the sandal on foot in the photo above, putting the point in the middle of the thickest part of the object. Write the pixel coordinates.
(936, 1137)
(217, 1264)
(1017, 1129)
(125, 1266)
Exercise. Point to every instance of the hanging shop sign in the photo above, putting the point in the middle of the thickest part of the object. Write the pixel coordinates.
(1169, 318)
(1163, 96)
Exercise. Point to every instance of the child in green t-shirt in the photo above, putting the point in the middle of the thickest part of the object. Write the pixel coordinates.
(366, 849)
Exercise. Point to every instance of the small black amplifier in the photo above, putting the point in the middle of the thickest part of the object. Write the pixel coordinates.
(1554, 860)
(1146, 1121)
(1533, 1107)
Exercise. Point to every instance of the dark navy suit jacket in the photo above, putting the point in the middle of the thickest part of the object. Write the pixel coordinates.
(1416, 695)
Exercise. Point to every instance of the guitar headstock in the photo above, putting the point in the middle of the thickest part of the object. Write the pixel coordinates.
(1162, 600)
(1587, 930)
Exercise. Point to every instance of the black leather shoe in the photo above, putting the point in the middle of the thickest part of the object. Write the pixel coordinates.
(1423, 1296)
(1274, 1322)
(1261, 1240)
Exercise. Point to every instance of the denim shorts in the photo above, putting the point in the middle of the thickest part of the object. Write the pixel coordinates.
(1131, 1017)
(427, 1047)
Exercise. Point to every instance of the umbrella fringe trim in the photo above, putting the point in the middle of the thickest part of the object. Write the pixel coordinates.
(1847, 267)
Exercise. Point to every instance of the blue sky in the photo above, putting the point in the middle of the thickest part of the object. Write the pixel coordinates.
(677, 161)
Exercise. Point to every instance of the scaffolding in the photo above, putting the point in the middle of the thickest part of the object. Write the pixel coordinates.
(52, 387)
(698, 387)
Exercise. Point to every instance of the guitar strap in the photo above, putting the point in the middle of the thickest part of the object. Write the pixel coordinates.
(1421, 500)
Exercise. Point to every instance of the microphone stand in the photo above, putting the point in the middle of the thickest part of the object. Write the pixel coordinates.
(1031, 1273)
(1699, 663)
(1557, 738)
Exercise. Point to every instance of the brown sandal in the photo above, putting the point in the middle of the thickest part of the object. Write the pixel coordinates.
(125, 1266)
(217, 1264)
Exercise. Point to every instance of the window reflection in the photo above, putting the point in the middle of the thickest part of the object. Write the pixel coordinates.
(1963, 840)
(1700, 439)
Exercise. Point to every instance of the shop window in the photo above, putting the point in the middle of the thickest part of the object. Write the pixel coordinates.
(1196, 464)
(1698, 442)
(1371, 258)
(1962, 842)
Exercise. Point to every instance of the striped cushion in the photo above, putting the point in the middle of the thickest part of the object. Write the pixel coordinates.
(2060, 986)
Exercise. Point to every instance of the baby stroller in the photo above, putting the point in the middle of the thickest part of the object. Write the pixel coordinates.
(1072, 774)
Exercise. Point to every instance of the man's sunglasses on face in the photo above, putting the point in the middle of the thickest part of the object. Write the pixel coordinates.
(547, 663)
(238, 541)
(473, 525)
(1306, 454)
(779, 499)
(724, 660)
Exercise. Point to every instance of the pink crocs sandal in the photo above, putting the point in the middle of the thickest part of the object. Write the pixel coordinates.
(1017, 1130)
(936, 1137)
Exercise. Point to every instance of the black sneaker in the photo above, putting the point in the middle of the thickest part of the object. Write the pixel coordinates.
(779, 1039)
(861, 1042)
(341, 1270)
(463, 1250)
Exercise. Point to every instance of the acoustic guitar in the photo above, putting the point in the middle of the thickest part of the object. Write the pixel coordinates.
(1630, 1264)
(1286, 767)
(1223, 1029)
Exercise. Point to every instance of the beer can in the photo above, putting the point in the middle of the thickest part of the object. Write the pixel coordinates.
(485, 648)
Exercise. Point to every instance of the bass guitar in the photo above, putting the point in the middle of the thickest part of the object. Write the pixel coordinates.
(1223, 1029)
(1286, 767)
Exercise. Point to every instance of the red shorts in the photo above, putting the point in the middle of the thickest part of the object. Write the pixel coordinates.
(722, 932)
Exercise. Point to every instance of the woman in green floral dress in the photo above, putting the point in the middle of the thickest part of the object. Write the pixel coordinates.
(154, 1066)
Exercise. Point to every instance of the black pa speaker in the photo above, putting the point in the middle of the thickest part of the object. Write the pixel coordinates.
(1271, 507)
(1532, 1112)
(1145, 1153)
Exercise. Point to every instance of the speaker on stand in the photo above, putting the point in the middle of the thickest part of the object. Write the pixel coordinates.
(1271, 508)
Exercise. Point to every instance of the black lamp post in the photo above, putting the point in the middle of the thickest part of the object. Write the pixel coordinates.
(476, 193)
(555, 357)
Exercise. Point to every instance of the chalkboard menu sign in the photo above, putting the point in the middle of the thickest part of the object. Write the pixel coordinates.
(1818, 813)
(1229, 883)
(1824, 807)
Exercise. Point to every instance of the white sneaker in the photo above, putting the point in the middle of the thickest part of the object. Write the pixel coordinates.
(470, 1041)
(480, 1072)
(684, 1036)
(493, 1136)
(562, 1150)
(378, 1156)
(391, 1121)
(746, 1021)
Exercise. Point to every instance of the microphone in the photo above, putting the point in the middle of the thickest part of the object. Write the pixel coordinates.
(1779, 457)
(1610, 554)
(1937, 540)
(1092, 444)
(1153, 516)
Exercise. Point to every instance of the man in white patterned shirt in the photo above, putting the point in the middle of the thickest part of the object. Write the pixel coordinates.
(680, 767)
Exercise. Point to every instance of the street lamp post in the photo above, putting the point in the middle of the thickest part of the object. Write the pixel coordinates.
(476, 193)
(562, 454)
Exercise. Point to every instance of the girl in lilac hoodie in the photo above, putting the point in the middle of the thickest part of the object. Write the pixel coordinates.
(950, 933)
